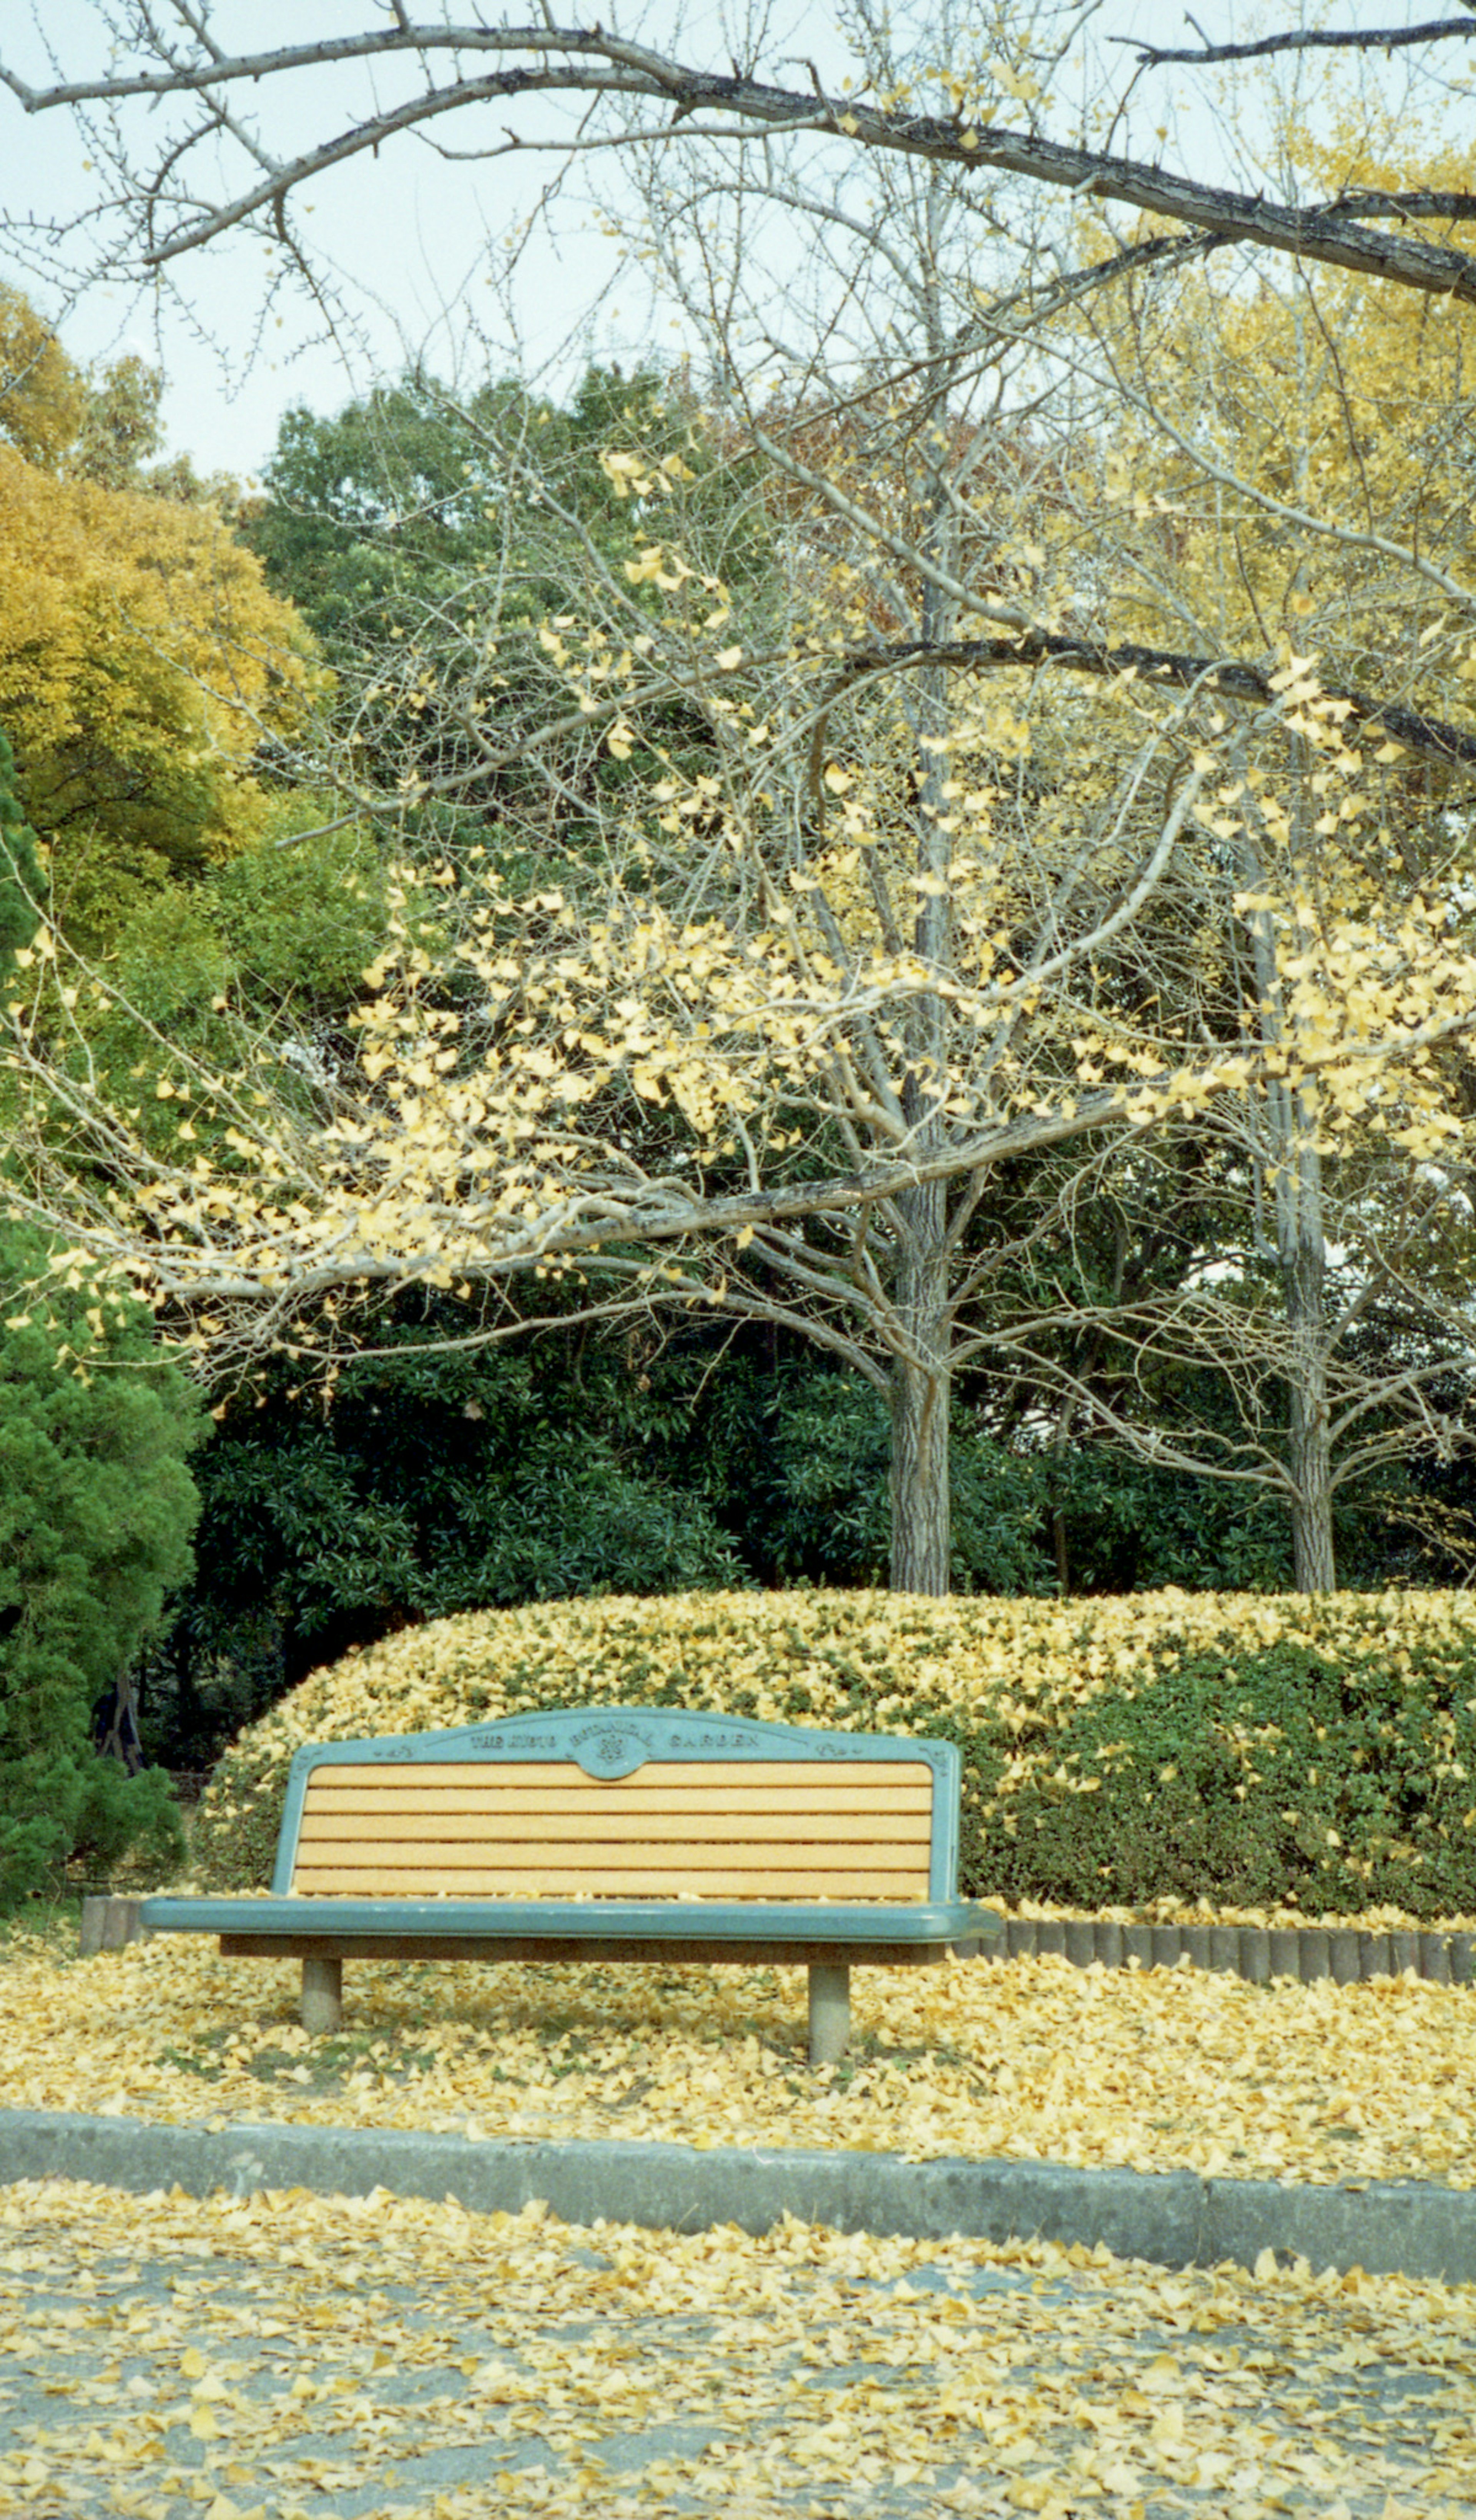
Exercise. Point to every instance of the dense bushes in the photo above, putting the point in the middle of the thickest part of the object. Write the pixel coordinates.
(1249, 1749)
(97, 1506)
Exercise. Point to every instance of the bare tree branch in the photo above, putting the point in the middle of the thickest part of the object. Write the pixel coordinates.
(1371, 40)
(591, 64)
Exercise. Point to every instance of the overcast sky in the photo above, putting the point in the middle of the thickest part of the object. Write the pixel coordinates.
(410, 238)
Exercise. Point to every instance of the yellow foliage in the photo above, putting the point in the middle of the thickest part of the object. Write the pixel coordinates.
(141, 660)
(1005, 1676)
(42, 397)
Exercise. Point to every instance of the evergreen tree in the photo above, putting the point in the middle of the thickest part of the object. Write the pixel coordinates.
(97, 1506)
(21, 874)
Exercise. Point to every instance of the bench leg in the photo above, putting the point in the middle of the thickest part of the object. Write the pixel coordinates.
(322, 1996)
(829, 2010)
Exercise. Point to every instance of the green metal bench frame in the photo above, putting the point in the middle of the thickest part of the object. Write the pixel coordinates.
(825, 1937)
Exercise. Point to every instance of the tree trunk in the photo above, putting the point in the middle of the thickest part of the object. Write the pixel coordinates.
(1315, 1568)
(114, 1723)
(1294, 1163)
(1058, 1442)
(922, 1540)
(922, 1558)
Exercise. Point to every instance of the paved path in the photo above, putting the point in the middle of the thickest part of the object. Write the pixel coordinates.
(292, 2356)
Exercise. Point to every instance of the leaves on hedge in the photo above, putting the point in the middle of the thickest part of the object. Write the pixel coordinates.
(1249, 1748)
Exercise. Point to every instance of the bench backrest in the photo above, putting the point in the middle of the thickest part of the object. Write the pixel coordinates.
(639, 1803)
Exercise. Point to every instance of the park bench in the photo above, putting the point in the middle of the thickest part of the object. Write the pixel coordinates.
(610, 1834)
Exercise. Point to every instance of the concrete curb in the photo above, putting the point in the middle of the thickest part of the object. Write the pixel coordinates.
(1173, 2218)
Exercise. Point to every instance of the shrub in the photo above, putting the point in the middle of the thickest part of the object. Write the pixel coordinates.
(96, 1509)
(1242, 1748)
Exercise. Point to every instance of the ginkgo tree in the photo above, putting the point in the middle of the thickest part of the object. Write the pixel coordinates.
(767, 1050)
(1289, 468)
(979, 807)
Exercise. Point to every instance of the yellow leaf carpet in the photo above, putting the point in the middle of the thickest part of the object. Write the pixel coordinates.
(296, 2358)
(1033, 2060)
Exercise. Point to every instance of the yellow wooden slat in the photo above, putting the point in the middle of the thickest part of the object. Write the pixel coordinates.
(686, 1828)
(830, 1794)
(713, 1774)
(843, 1829)
(594, 1855)
(627, 1883)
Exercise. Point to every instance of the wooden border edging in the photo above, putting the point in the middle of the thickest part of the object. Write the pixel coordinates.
(1348, 1954)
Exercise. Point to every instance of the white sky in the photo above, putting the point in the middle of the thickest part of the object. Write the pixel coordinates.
(409, 236)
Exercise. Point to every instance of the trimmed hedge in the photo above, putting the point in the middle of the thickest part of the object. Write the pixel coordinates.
(1245, 1749)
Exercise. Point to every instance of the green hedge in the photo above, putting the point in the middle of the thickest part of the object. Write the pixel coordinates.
(1248, 1750)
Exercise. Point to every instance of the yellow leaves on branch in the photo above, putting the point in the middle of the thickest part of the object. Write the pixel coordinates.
(643, 476)
(537, 1077)
(501, 1125)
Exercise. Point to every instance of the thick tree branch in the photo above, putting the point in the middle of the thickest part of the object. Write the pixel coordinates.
(591, 64)
(1429, 739)
(1371, 40)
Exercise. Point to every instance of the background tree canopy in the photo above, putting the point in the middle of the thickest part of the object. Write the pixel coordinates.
(894, 903)
(143, 662)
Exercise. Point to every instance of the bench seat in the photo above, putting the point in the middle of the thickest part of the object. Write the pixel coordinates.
(612, 1833)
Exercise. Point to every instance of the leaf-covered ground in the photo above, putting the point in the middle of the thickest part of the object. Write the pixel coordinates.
(1029, 2058)
(299, 2357)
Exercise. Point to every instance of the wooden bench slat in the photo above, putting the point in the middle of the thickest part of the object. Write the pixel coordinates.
(410, 1878)
(557, 1828)
(836, 1794)
(548, 1882)
(815, 1776)
(591, 1856)
(856, 1829)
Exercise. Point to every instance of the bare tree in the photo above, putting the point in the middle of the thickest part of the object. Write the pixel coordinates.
(1306, 39)
(1309, 444)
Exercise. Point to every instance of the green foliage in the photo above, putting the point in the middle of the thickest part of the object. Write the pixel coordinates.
(402, 496)
(168, 965)
(1131, 1527)
(97, 1506)
(1279, 1775)
(287, 923)
(393, 486)
(431, 542)
(1248, 1750)
(797, 1464)
(22, 881)
(255, 965)
(302, 919)
(430, 1484)
(592, 1460)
